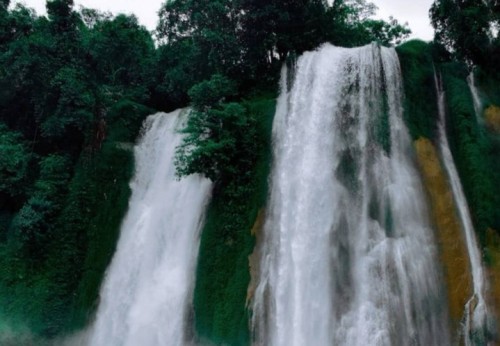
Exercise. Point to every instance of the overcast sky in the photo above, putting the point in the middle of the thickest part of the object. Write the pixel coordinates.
(415, 12)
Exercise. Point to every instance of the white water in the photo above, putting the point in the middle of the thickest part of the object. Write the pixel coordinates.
(475, 310)
(146, 296)
(348, 255)
(478, 106)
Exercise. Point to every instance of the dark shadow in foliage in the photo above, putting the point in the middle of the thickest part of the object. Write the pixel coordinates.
(420, 102)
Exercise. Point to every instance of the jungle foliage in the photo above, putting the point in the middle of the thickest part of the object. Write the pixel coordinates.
(468, 29)
(76, 85)
(466, 41)
(73, 86)
(417, 66)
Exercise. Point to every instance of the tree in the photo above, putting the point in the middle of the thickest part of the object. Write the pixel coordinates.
(14, 162)
(218, 140)
(70, 104)
(387, 33)
(62, 17)
(212, 25)
(121, 53)
(463, 27)
(273, 29)
(32, 224)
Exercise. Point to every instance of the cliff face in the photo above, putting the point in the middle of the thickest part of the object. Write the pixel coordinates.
(453, 250)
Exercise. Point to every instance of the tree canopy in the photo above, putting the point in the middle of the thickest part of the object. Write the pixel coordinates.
(468, 29)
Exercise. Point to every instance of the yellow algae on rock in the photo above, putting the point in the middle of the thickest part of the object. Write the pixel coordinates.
(452, 247)
(492, 118)
(493, 272)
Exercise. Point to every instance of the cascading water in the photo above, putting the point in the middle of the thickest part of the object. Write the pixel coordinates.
(475, 96)
(475, 310)
(348, 255)
(146, 295)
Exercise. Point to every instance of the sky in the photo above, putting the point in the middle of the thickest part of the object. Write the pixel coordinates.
(415, 12)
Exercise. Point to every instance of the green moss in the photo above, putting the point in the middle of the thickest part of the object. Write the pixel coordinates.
(111, 190)
(420, 92)
(106, 180)
(223, 275)
(490, 91)
(59, 294)
(470, 147)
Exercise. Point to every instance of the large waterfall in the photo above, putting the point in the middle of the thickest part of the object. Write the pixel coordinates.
(145, 299)
(348, 255)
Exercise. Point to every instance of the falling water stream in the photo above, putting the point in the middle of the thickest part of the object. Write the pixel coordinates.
(475, 310)
(475, 96)
(147, 292)
(348, 255)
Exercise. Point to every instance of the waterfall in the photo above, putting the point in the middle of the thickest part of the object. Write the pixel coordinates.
(348, 255)
(146, 295)
(475, 310)
(478, 107)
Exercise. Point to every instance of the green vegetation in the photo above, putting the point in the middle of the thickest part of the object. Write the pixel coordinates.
(75, 87)
(464, 29)
(420, 88)
(73, 91)
(475, 150)
(470, 148)
(465, 40)
(223, 275)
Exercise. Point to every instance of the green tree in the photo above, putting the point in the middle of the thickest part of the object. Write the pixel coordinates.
(14, 162)
(70, 105)
(387, 33)
(463, 27)
(270, 30)
(122, 52)
(33, 223)
(175, 73)
(219, 141)
(212, 25)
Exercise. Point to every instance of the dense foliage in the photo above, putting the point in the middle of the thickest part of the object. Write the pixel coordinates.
(469, 30)
(471, 148)
(223, 275)
(237, 47)
(75, 86)
(416, 59)
(466, 37)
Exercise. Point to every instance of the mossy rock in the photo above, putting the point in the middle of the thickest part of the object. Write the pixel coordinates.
(492, 118)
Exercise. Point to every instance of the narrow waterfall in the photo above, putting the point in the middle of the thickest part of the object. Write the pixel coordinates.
(478, 107)
(348, 255)
(475, 310)
(147, 292)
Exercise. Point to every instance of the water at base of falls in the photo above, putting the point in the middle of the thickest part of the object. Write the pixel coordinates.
(348, 255)
(147, 290)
